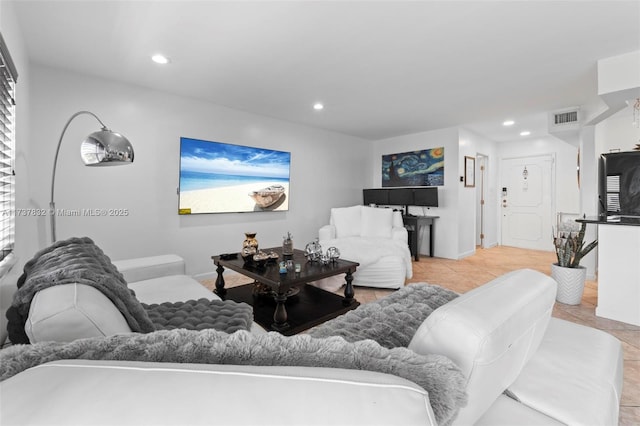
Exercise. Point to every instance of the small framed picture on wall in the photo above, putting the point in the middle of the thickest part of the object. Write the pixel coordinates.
(469, 172)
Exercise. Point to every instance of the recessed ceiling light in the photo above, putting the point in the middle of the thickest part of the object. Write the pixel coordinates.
(525, 133)
(160, 59)
(509, 123)
(318, 106)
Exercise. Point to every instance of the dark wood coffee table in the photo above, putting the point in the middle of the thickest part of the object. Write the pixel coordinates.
(291, 306)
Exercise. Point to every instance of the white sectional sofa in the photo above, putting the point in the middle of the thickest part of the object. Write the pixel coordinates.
(521, 367)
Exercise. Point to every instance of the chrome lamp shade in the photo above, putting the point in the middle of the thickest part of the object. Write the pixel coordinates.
(106, 148)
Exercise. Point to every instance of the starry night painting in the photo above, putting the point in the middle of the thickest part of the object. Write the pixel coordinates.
(416, 168)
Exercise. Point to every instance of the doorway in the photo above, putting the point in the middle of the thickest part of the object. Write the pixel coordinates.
(527, 194)
(481, 193)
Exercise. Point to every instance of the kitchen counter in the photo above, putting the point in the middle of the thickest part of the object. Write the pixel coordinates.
(612, 220)
(618, 268)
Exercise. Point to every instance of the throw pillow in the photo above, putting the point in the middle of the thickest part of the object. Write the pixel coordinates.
(376, 222)
(397, 219)
(347, 221)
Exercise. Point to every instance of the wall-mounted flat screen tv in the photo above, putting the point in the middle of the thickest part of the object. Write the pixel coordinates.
(218, 177)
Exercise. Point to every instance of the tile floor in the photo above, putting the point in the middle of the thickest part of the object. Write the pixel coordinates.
(487, 264)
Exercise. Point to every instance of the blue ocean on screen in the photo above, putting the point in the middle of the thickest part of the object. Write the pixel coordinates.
(190, 181)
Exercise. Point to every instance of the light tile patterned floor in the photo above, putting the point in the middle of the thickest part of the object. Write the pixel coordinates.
(487, 264)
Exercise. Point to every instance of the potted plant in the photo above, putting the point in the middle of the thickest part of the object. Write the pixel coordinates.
(570, 249)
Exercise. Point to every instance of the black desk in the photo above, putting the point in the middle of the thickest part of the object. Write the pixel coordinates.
(416, 222)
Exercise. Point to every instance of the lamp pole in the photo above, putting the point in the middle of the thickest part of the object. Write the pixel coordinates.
(123, 155)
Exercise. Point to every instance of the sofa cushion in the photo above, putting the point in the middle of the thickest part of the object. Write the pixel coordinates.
(506, 411)
(490, 345)
(172, 288)
(376, 222)
(82, 392)
(347, 221)
(434, 373)
(574, 377)
(146, 268)
(67, 312)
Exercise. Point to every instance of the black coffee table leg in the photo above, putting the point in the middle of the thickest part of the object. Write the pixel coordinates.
(220, 290)
(348, 289)
(280, 315)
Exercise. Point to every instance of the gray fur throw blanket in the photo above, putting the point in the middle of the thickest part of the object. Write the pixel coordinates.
(76, 260)
(436, 374)
(222, 315)
(79, 260)
(391, 321)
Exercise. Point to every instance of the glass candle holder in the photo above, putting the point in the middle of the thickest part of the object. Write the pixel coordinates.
(287, 245)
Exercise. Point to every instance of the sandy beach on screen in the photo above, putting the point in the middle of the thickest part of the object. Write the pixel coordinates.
(229, 198)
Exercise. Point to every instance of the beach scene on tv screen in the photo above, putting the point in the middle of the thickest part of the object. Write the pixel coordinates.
(218, 177)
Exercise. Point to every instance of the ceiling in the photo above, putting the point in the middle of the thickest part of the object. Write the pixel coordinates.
(381, 68)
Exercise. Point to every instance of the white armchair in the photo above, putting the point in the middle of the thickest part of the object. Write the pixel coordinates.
(375, 238)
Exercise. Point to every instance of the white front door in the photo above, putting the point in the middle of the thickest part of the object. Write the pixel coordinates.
(526, 202)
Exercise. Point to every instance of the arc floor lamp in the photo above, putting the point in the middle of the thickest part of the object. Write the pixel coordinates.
(101, 148)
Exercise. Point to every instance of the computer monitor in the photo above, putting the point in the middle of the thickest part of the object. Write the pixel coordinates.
(375, 196)
(425, 197)
(401, 196)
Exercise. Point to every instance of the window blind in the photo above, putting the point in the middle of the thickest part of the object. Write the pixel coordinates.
(8, 78)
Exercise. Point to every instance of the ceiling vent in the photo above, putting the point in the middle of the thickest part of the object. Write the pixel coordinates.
(568, 117)
(565, 124)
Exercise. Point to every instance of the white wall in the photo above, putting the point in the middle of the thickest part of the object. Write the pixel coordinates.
(589, 193)
(472, 145)
(327, 170)
(466, 199)
(619, 73)
(446, 226)
(455, 229)
(617, 132)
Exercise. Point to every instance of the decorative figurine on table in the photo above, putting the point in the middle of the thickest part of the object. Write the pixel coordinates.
(313, 251)
(250, 241)
(249, 247)
(333, 254)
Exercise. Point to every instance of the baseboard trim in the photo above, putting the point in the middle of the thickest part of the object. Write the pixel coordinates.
(466, 254)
